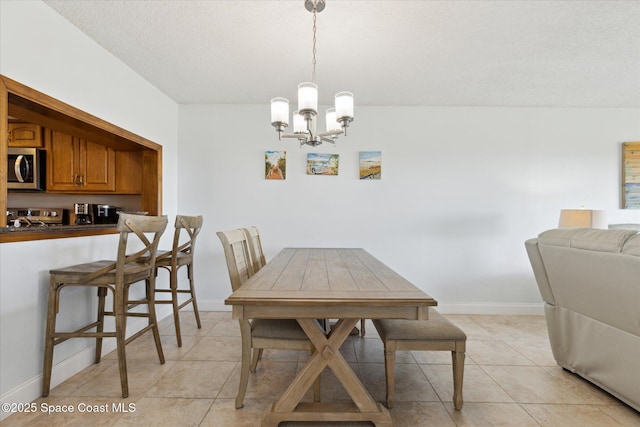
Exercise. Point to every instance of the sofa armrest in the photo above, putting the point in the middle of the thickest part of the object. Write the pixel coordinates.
(539, 271)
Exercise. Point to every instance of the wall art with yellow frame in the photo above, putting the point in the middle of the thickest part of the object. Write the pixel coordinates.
(631, 175)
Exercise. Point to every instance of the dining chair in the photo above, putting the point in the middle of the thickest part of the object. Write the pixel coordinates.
(258, 334)
(186, 231)
(135, 262)
(436, 333)
(258, 260)
(255, 248)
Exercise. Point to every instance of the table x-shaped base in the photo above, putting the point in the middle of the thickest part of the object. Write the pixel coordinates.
(327, 353)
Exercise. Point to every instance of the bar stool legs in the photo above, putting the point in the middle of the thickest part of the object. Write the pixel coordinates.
(129, 268)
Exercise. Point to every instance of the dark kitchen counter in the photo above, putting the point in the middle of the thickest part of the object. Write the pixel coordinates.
(34, 232)
(56, 228)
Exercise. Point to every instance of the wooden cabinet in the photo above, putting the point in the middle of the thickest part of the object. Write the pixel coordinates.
(78, 165)
(24, 135)
(128, 172)
(138, 161)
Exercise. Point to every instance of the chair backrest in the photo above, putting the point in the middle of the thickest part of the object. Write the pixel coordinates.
(237, 255)
(148, 230)
(255, 248)
(140, 252)
(191, 225)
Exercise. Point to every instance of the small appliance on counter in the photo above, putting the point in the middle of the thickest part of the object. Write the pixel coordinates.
(82, 213)
(37, 217)
(105, 214)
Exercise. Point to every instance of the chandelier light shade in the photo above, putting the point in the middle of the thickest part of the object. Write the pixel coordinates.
(305, 118)
(280, 111)
(307, 99)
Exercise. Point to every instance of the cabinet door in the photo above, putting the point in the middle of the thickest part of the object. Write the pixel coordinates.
(97, 166)
(25, 135)
(76, 165)
(128, 172)
(62, 161)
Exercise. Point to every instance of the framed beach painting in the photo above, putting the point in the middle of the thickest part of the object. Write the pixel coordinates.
(322, 164)
(631, 175)
(370, 164)
(275, 164)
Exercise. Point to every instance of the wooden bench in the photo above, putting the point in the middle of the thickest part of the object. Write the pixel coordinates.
(435, 334)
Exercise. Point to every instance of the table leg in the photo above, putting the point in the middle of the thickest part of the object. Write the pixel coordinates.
(327, 353)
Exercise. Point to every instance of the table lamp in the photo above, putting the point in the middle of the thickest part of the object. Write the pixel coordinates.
(586, 218)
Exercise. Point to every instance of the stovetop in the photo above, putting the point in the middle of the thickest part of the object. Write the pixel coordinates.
(37, 216)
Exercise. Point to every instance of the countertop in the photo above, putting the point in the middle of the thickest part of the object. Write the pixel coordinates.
(55, 228)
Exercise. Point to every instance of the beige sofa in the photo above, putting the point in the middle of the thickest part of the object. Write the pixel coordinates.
(590, 282)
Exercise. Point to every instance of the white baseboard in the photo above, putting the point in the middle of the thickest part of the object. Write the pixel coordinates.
(213, 305)
(32, 389)
(505, 309)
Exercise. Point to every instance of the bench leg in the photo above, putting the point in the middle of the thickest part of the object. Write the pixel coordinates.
(457, 359)
(390, 375)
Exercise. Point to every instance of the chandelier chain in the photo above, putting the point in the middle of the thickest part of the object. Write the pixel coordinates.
(313, 75)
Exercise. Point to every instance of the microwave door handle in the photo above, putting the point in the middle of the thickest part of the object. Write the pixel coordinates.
(19, 160)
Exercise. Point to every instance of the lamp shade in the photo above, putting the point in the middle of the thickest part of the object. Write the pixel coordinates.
(299, 124)
(308, 97)
(586, 218)
(344, 105)
(280, 110)
(331, 122)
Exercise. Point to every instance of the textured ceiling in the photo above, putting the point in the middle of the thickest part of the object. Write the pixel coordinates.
(439, 53)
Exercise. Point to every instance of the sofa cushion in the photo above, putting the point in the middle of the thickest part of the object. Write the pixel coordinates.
(632, 245)
(590, 239)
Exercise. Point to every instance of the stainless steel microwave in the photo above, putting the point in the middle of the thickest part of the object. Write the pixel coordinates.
(26, 169)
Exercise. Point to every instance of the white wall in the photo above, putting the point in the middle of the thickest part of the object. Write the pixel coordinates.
(54, 57)
(461, 190)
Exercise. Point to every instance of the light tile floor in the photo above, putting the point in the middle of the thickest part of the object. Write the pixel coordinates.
(510, 379)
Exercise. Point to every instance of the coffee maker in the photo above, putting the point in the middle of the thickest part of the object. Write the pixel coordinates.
(83, 213)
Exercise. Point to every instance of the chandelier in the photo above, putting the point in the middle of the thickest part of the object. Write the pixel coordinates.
(304, 120)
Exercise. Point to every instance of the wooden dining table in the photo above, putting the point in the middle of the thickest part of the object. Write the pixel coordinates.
(348, 284)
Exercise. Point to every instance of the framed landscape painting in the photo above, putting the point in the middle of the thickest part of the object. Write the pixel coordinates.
(631, 175)
(370, 164)
(275, 164)
(322, 164)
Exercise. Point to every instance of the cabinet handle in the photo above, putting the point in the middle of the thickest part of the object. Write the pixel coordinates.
(9, 136)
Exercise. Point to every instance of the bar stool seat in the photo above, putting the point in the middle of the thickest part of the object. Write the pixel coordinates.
(436, 333)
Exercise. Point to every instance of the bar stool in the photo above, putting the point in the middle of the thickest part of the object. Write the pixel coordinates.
(180, 255)
(116, 276)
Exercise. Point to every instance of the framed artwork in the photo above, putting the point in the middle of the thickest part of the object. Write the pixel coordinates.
(275, 164)
(322, 164)
(370, 164)
(631, 175)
